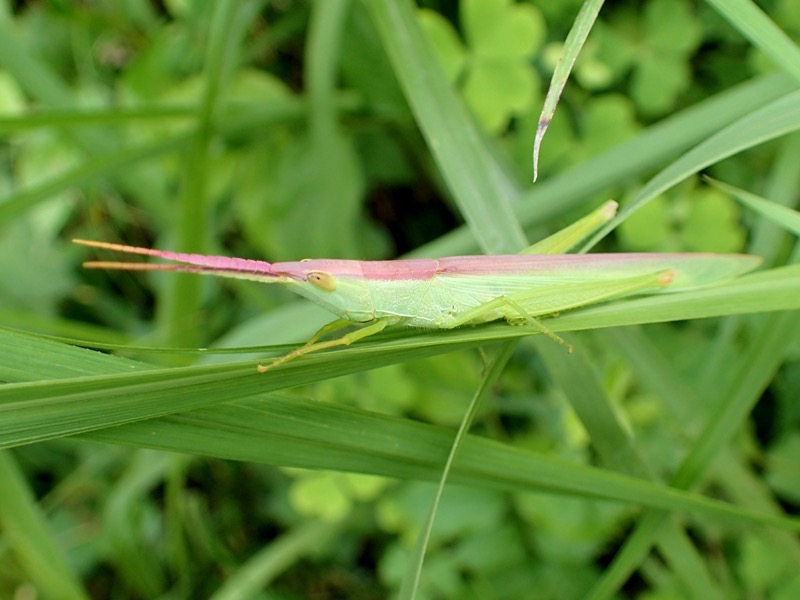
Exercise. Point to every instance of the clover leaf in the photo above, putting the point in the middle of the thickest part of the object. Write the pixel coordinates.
(688, 219)
(493, 69)
(654, 48)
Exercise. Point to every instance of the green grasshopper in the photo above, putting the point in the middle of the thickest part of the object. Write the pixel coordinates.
(443, 293)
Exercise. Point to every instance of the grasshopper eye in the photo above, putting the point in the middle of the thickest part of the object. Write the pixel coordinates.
(324, 281)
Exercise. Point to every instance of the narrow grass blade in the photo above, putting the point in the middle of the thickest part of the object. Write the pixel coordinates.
(411, 580)
(756, 369)
(26, 533)
(754, 24)
(484, 193)
(781, 215)
(778, 118)
(647, 151)
(572, 47)
(91, 402)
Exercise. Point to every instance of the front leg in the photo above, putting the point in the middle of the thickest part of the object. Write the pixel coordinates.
(313, 345)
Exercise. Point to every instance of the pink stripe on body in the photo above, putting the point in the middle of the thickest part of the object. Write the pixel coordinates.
(532, 263)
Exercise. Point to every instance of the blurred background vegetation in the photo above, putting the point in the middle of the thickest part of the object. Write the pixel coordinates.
(279, 130)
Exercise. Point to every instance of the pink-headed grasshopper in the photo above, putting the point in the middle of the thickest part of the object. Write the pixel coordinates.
(460, 290)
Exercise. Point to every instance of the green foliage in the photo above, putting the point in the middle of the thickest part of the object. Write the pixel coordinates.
(493, 72)
(343, 128)
(652, 46)
(692, 219)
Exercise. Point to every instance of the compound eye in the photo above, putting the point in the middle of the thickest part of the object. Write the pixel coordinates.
(322, 280)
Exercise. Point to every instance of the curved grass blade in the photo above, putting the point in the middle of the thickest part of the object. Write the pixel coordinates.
(413, 574)
(572, 47)
(754, 24)
(778, 118)
(482, 190)
(777, 213)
